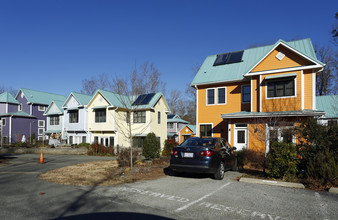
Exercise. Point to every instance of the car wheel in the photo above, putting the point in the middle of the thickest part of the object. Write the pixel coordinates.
(235, 167)
(219, 175)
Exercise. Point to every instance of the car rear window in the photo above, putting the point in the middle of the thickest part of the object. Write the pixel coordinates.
(199, 142)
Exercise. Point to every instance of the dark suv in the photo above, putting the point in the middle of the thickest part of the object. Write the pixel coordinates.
(203, 155)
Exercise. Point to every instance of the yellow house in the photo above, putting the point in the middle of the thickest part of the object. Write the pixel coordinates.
(109, 121)
(252, 96)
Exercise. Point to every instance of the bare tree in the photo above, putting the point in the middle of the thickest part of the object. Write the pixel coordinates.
(7, 89)
(152, 78)
(326, 79)
(101, 81)
(334, 31)
(175, 102)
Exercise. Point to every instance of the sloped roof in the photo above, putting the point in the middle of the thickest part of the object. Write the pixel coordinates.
(38, 97)
(177, 120)
(191, 127)
(329, 104)
(19, 114)
(208, 73)
(6, 97)
(58, 104)
(123, 101)
(83, 99)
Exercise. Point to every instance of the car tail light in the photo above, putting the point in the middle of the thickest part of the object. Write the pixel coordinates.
(207, 153)
(173, 152)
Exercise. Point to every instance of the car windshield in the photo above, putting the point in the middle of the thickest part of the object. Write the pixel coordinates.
(199, 142)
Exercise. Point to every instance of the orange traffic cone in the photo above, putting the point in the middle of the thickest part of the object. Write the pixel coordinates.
(41, 157)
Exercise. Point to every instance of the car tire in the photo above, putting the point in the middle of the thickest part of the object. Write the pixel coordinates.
(219, 175)
(235, 167)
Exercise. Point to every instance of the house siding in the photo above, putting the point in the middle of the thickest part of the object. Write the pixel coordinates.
(20, 127)
(3, 108)
(25, 106)
(291, 59)
(308, 97)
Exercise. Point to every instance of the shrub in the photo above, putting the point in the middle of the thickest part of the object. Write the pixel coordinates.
(151, 147)
(168, 146)
(282, 160)
(319, 151)
(124, 157)
(84, 145)
(99, 149)
(250, 159)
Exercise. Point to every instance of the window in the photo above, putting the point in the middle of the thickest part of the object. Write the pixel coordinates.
(128, 117)
(159, 139)
(171, 125)
(159, 117)
(41, 131)
(40, 138)
(3, 122)
(281, 88)
(106, 144)
(54, 120)
(332, 122)
(246, 93)
(241, 137)
(100, 115)
(84, 139)
(20, 107)
(205, 130)
(96, 140)
(41, 123)
(41, 108)
(140, 117)
(73, 116)
(111, 141)
(221, 95)
(210, 96)
(70, 139)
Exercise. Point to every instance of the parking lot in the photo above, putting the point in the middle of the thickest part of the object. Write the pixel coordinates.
(23, 195)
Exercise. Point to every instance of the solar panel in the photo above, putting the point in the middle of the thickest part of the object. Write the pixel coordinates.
(235, 57)
(228, 58)
(144, 99)
(170, 116)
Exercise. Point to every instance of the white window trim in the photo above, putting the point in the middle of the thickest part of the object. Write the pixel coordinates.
(20, 107)
(212, 127)
(41, 106)
(283, 97)
(243, 93)
(279, 132)
(3, 120)
(216, 95)
(40, 138)
(43, 131)
(42, 126)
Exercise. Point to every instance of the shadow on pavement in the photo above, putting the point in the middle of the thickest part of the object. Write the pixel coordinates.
(114, 215)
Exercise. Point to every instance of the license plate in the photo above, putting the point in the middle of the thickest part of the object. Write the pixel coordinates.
(189, 155)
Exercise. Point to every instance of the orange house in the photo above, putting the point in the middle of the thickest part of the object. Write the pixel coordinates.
(187, 131)
(258, 94)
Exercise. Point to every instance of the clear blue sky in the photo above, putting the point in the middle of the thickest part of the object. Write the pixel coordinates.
(53, 45)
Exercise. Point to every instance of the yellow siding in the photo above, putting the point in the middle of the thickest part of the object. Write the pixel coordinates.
(284, 103)
(308, 89)
(160, 130)
(270, 62)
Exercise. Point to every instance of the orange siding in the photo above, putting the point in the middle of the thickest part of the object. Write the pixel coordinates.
(282, 104)
(308, 89)
(184, 132)
(270, 62)
(255, 92)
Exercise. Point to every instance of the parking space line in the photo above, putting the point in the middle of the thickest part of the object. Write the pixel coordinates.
(200, 199)
(322, 206)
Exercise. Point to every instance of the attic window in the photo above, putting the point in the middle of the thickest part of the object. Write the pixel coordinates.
(280, 56)
(228, 58)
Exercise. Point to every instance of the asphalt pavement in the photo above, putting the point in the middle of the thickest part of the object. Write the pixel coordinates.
(24, 196)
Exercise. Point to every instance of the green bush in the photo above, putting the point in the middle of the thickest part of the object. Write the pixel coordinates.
(168, 146)
(282, 160)
(84, 145)
(319, 151)
(151, 147)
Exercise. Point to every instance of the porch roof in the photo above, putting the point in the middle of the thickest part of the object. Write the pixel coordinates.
(245, 114)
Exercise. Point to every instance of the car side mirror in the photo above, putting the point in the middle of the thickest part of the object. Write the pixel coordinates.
(234, 148)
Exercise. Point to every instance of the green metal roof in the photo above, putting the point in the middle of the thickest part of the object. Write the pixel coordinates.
(83, 99)
(191, 127)
(38, 97)
(52, 131)
(177, 120)
(19, 114)
(58, 104)
(209, 74)
(329, 104)
(123, 101)
(8, 98)
(245, 114)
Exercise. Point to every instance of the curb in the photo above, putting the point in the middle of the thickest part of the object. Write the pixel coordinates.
(333, 190)
(273, 183)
